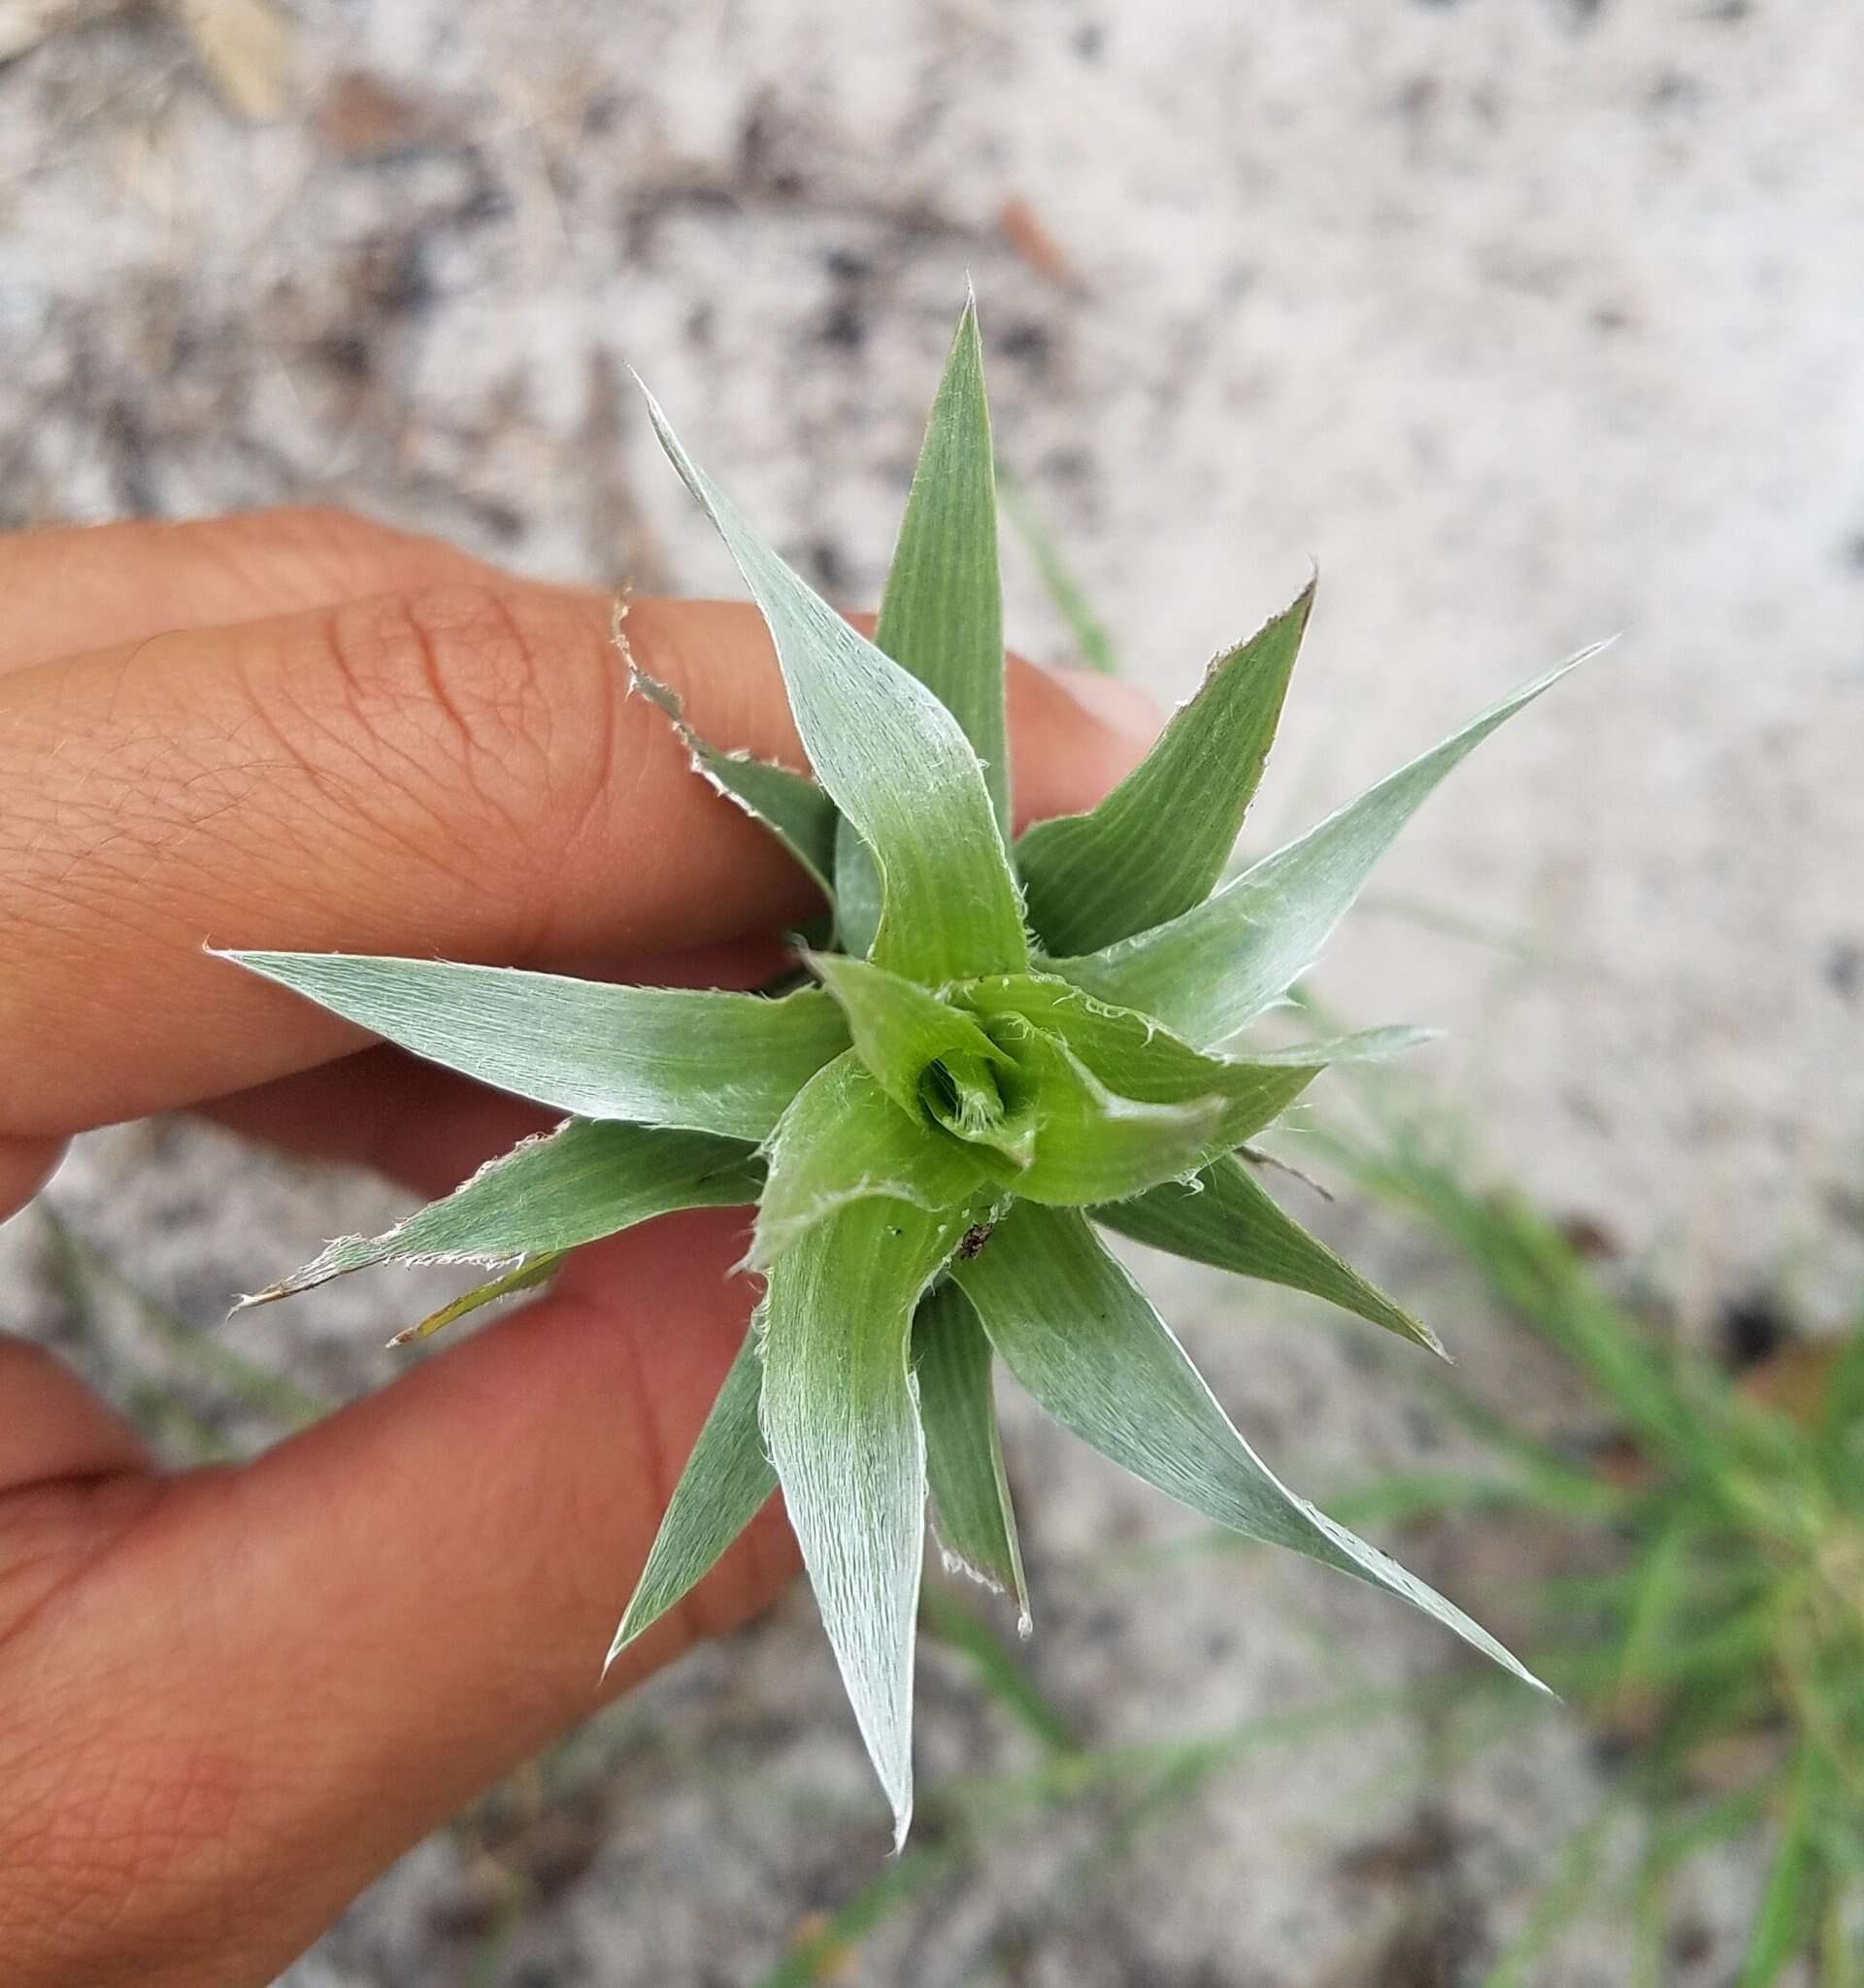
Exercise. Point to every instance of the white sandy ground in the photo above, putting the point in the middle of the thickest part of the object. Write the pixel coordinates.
(1530, 322)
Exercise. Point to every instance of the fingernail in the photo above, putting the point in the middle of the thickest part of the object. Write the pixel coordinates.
(1121, 707)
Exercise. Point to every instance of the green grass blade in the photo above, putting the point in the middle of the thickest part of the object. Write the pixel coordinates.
(1065, 594)
(895, 761)
(1565, 1899)
(526, 1276)
(1230, 1221)
(1216, 967)
(821, 1954)
(1082, 1337)
(725, 1484)
(900, 1029)
(842, 1431)
(1154, 846)
(999, 1667)
(843, 1140)
(588, 1179)
(250, 1383)
(697, 1058)
(971, 1509)
(797, 811)
(1531, 1268)
(1781, 1926)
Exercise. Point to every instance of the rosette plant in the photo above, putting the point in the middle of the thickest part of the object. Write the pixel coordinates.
(993, 1049)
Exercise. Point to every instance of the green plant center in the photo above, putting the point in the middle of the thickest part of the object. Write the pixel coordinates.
(961, 1092)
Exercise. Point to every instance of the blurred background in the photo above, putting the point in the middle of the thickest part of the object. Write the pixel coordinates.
(1531, 321)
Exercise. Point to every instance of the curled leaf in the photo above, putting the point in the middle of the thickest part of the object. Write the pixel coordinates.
(1103, 1102)
(844, 1139)
(915, 1044)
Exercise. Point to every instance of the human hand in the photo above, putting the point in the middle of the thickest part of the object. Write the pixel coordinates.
(229, 1698)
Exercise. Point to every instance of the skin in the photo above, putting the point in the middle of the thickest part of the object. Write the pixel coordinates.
(229, 1698)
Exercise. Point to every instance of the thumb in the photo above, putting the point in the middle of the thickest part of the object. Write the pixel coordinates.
(236, 1696)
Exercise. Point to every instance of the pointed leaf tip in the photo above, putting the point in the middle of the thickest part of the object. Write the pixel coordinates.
(1215, 967)
(948, 903)
(725, 1484)
(1229, 1220)
(843, 1433)
(586, 1180)
(1155, 846)
(942, 611)
(704, 1059)
(1082, 1337)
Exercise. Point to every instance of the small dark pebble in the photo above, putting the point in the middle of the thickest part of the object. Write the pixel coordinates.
(1751, 1330)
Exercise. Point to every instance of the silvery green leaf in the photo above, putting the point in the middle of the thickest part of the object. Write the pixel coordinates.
(1080, 1335)
(1226, 1218)
(1153, 847)
(586, 1180)
(857, 893)
(971, 1510)
(941, 611)
(843, 1430)
(1092, 643)
(701, 1058)
(895, 761)
(901, 1030)
(844, 1139)
(797, 811)
(525, 1275)
(725, 1484)
(1218, 966)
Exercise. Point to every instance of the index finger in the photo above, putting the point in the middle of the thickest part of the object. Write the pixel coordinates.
(69, 588)
(457, 770)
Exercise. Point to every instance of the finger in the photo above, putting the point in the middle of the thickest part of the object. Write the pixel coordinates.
(26, 1166)
(281, 1677)
(74, 588)
(458, 772)
(425, 1129)
(54, 1427)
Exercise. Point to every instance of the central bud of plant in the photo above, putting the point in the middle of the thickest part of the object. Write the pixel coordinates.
(961, 1093)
